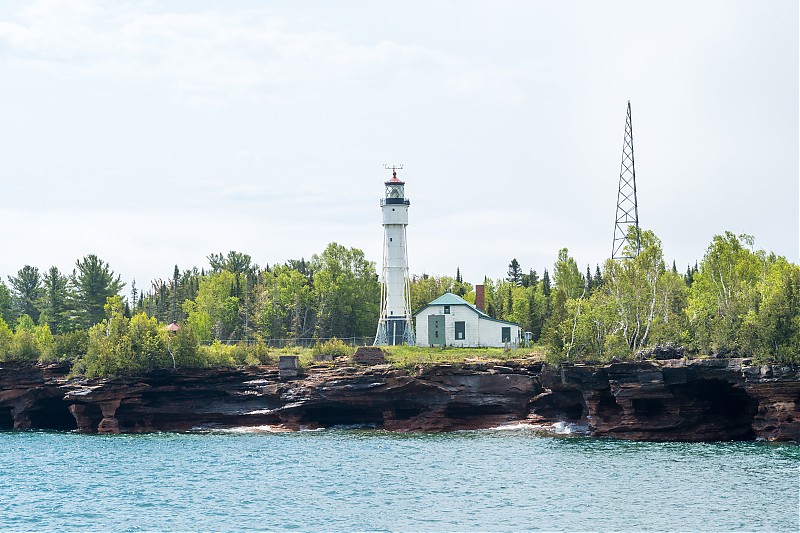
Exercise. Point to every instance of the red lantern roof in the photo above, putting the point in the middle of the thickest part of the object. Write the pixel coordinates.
(173, 327)
(395, 179)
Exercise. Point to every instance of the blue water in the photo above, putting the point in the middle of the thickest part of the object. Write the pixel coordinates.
(371, 480)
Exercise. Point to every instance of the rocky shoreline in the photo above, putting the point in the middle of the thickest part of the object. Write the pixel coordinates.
(671, 400)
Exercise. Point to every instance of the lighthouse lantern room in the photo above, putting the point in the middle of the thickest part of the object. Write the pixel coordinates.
(395, 325)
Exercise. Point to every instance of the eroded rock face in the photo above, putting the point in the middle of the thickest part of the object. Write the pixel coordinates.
(701, 400)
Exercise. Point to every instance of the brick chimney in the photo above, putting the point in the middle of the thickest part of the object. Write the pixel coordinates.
(480, 298)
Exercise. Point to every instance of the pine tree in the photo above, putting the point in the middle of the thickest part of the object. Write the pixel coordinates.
(533, 279)
(514, 273)
(546, 284)
(93, 282)
(134, 294)
(54, 301)
(589, 284)
(26, 289)
(598, 277)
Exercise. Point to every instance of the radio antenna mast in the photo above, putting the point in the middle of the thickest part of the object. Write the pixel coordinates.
(627, 242)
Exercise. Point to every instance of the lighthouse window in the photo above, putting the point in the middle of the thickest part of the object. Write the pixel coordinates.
(390, 239)
(447, 309)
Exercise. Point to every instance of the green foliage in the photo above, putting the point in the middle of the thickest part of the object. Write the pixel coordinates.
(70, 346)
(119, 346)
(726, 292)
(214, 313)
(53, 301)
(334, 347)
(514, 273)
(638, 302)
(23, 344)
(283, 303)
(218, 354)
(6, 337)
(185, 348)
(347, 292)
(566, 275)
(93, 283)
(6, 304)
(26, 290)
(737, 300)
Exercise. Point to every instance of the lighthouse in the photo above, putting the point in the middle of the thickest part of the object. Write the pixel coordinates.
(395, 325)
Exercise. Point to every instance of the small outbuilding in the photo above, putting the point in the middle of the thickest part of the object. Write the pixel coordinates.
(452, 321)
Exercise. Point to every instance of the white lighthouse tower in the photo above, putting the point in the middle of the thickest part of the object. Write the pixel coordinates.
(395, 325)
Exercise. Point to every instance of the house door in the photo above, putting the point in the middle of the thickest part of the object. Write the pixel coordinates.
(436, 330)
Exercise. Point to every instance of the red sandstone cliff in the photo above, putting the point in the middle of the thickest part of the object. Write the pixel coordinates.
(668, 400)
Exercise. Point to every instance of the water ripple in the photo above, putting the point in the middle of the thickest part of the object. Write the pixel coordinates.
(343, 480)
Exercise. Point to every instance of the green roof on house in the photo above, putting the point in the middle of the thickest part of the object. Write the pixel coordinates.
(449, 298)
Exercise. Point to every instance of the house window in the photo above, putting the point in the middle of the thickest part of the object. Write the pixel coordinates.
(506, 335)
(447, 309)
(460, 331)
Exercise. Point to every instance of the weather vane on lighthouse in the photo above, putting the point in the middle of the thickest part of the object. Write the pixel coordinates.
(395, 324)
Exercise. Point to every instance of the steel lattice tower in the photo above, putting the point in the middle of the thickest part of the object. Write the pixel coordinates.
(627, 243)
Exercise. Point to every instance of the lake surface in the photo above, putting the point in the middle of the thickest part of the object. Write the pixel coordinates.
(372, 480)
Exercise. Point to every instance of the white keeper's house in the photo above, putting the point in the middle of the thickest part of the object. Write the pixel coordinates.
(452, 321)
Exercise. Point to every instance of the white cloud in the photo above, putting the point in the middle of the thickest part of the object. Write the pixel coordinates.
(209, 55)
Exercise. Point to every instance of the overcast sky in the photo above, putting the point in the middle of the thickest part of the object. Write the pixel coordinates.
(155, 133)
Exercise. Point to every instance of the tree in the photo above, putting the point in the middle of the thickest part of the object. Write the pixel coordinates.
(6, 303)
(598, 277)
(23, 344)
(93, 282)
(119, 345)
(214, 314)
(6, 336)
(134, 294)
(426, 288)
(282, 304)
(54, 301)
(776, 326)
(724, 291)
(514, 273)
(589, 282)
(546, 284)
(26, 289)
(646, 295)
(346, 292)
(531, 279)
(567, 276)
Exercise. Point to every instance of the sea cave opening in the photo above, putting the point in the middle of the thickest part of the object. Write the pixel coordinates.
(6, 419)
(342, 415)
(720, 404)
(52, 414)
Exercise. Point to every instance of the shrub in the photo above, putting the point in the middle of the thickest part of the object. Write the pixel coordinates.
(333, 347)
(185, 348)
(70, 346)
(217, 355)
(6, 335)
(23, 346)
